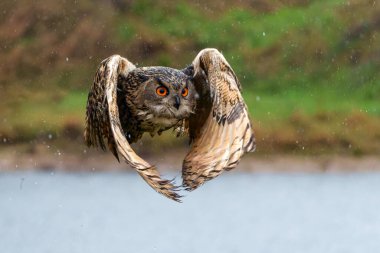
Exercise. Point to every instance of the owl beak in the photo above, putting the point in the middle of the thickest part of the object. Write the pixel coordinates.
(177, 102)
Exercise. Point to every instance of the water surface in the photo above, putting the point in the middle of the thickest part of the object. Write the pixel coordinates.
(118, 212)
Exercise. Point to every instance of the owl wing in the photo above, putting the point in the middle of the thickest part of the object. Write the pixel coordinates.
(103, 123)
(220, 129)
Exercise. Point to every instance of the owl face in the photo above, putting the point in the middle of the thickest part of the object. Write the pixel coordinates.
(169, 94)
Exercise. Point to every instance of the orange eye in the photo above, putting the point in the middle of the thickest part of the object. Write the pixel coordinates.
(162, 91)
(185, 92)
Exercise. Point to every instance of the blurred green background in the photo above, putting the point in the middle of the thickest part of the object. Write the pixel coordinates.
(310, 70)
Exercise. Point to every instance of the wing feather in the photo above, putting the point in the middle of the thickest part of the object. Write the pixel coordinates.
(220, 131)
(103, 123)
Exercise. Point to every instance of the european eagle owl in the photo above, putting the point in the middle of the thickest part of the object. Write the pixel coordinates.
(203, 100)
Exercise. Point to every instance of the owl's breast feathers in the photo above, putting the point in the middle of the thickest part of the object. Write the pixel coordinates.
(152, 123)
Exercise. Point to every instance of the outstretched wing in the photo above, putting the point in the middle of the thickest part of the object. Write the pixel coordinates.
(103, 123)
(220, 129)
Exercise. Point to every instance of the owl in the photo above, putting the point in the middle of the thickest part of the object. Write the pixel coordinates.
(202, 101)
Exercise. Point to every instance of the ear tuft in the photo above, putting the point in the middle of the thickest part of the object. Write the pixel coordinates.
(189, 71)
(143, 78)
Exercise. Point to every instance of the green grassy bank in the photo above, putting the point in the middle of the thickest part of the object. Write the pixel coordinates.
(309, 69)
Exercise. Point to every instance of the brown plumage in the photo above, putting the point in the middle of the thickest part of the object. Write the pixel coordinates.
(220, 130)
(203, 100)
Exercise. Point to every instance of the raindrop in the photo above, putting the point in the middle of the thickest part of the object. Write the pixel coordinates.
(50, 136)
(4, 140)
(264, 33)
(258, 98)
(21, 183)
(67, 58)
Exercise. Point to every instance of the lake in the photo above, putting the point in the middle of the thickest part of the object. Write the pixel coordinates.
(237, 212)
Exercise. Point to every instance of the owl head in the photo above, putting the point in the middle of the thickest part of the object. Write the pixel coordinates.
(166, 92)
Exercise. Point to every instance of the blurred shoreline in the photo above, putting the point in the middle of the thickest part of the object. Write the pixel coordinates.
(21, 158)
